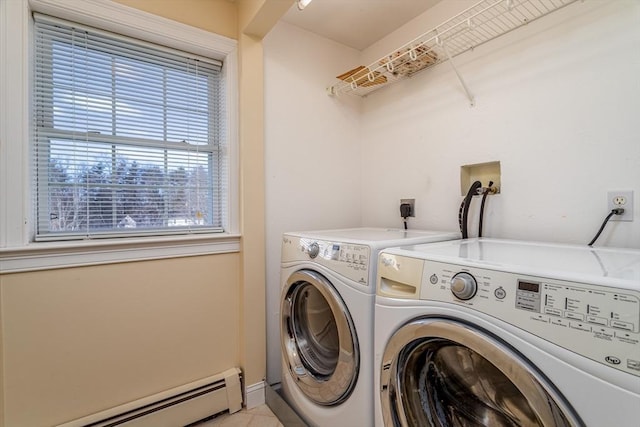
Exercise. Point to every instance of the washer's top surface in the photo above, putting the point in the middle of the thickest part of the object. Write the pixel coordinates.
(378, 237)
(611, 266)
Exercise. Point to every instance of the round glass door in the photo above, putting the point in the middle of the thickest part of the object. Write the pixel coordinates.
(319, 343)
(440, 373)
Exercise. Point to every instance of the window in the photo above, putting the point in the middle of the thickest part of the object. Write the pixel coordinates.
(128, 137)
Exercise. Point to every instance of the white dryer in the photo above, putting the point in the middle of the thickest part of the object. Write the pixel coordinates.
(327, 299)
(488, 332)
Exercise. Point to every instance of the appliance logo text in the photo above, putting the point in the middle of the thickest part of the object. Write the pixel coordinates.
(612, 360)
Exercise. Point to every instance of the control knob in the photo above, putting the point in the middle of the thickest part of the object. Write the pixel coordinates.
(464, 286)
(313, 250)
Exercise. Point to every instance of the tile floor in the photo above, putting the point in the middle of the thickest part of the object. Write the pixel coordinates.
(260, 416)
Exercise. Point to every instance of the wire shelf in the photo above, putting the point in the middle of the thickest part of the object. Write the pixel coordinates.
(485, 21)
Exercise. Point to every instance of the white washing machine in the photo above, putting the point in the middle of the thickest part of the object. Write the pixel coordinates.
(327, 299)
(487, 332)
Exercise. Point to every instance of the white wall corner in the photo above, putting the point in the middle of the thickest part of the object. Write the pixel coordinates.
(255, 395)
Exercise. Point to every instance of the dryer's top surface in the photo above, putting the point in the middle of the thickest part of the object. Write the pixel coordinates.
(378, 237)
(612, 266)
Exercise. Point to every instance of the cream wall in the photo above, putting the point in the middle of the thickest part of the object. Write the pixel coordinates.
(79, 340)
(217, 16)
(256, 18)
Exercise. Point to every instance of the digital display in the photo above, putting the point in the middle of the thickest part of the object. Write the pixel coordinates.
(335, 252)
(528, 286)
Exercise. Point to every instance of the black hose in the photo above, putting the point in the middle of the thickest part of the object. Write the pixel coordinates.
(484, 198)
(465, 210)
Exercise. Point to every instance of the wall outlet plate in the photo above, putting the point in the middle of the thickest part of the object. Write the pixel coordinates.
(620, 199)
(412, 202)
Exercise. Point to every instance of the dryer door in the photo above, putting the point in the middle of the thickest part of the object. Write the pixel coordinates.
(440, 372)
(319, 343)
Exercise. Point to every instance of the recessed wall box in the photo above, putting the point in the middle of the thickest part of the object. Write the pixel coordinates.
(483, 172)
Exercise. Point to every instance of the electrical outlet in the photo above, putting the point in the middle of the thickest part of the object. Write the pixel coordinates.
(621, 199)
(411, 202)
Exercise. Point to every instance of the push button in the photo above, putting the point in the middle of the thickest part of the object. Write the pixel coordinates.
(597, 320)
(622, 325)
(553, 311)
(574, 316)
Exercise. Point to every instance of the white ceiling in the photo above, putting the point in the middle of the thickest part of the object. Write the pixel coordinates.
(356, 23)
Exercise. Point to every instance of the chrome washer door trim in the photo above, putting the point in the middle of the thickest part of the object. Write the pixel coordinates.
(412, 342)
(325, 374)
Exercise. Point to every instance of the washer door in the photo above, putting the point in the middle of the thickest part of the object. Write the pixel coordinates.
(439, 372)
(319, 343)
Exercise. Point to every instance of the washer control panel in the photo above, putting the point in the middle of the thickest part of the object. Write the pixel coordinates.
(598, 322)
(347, 259)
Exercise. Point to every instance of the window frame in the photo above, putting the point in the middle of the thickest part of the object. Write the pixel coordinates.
(18, 249)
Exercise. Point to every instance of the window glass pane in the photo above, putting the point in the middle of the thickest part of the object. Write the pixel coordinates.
(81, 89)
(188, 118)
(140, 99)
(98, 186)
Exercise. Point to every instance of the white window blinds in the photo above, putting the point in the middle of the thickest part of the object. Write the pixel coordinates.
(128, 137)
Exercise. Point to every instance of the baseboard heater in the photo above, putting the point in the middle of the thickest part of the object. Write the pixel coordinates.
(179, 406)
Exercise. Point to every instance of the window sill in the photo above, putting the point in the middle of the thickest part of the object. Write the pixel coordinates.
(51, 255)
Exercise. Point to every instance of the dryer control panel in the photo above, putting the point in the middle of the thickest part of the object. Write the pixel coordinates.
(598, 322)
(347, 259)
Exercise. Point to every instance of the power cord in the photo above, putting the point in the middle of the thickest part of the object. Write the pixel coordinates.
(617, 211)
(405, 211)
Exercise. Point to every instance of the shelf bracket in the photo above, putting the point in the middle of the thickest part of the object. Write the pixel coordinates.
(472, 100)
